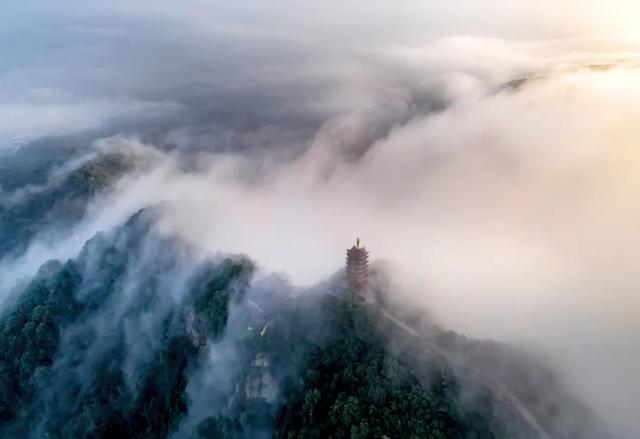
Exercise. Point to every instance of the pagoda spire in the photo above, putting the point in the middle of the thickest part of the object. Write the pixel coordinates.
(357, 267)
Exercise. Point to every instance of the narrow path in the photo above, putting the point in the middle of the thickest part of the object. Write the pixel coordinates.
(497, 387)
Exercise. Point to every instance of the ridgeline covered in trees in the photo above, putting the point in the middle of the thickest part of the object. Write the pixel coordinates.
(142, 337)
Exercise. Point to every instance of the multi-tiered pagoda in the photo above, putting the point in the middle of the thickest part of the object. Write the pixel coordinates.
(357, 267)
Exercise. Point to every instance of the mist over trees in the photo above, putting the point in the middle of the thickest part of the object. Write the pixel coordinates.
(142, 336)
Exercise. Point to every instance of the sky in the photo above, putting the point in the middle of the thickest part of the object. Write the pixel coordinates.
(79, 64)
(487, 152)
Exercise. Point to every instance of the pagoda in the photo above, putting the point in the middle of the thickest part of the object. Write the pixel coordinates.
(357, 267)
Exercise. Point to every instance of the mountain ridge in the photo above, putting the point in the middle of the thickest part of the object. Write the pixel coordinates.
(197, 347)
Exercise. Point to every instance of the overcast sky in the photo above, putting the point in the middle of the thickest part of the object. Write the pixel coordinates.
(78, 64)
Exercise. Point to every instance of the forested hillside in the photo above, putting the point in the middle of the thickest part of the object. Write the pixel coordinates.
(43, 187)
(140, 336)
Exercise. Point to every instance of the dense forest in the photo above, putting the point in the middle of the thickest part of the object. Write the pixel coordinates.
(34, 198)
(139, 336)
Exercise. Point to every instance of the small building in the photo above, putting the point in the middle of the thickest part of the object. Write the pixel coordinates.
(357, 270)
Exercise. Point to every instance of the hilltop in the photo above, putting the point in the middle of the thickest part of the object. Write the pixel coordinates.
(141, 336)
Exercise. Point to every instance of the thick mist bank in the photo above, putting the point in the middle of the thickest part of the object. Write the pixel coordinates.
(499, 215)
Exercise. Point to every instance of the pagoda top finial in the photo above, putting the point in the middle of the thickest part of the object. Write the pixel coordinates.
(357, 242)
